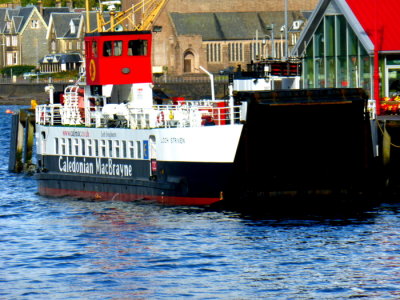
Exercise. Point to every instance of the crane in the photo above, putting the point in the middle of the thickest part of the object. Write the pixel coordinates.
(149, 10)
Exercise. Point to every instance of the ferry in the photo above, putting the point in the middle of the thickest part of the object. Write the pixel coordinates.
(106, 138)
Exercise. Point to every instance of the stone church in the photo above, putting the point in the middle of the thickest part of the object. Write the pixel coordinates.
(225, 33)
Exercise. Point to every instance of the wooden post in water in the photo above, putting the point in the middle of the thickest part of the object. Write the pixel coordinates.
(15, 158)
(21, 144)
(28, 139)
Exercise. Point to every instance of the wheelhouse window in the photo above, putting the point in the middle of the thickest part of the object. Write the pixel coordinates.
(137, 48)
(112, 48)
(117, 48)
(94, 49)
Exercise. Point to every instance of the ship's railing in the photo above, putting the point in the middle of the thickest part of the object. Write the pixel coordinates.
(188, 114)
(48, 114)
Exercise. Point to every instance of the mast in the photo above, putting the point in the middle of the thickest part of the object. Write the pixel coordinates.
(87, 15)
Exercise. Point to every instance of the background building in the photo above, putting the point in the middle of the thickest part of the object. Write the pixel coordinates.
(220, 34)
(23, 36)
(352, 43)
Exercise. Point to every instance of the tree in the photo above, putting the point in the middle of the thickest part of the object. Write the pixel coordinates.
(17, 70)
(52, 3)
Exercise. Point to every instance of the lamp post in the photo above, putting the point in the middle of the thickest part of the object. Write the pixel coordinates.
(264, 41)
(286, 29)
(212, 82)
(271, 28)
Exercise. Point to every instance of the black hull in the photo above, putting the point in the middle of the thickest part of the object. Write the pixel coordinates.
(174, 184)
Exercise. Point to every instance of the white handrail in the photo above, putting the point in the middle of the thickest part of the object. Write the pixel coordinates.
(189, 114)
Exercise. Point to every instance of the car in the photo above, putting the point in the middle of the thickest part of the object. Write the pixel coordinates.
(30, 75)
(227, 71)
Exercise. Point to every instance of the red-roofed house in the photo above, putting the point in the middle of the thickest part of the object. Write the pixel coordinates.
(352, 43)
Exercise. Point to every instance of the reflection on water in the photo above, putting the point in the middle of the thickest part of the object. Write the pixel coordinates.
(65, 248)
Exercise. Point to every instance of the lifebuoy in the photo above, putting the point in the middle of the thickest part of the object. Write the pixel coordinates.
(92, 70)
(160, 118)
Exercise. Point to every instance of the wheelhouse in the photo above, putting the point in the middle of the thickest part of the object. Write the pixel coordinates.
(118, 57)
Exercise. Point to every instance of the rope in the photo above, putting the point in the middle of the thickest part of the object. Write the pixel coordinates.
(381, 129)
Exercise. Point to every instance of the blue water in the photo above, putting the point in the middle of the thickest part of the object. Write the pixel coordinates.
(74, 249)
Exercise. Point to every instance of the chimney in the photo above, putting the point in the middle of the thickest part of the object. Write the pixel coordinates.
(58, 3)
(70, 5)
(40, 4)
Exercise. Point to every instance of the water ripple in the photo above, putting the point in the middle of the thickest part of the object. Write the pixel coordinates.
(76, 249)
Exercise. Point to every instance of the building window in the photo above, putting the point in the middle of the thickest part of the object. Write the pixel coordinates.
(256, 50)
(12, 58)
(34, 24)
(14, 40)
(9, 59)
(8, 41)
(334, 57)
(214, 52)
(235, 52)
(53, 45)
